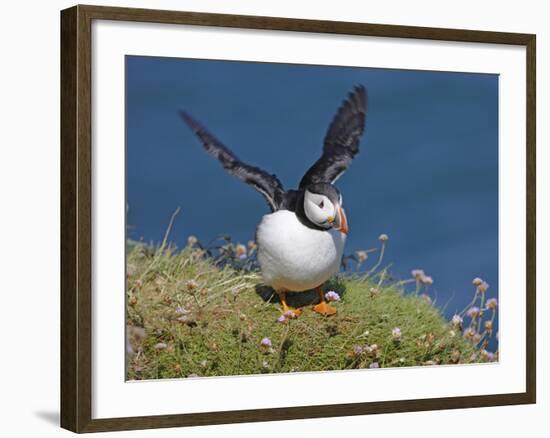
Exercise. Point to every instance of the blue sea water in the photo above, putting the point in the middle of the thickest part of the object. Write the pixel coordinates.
(427, 173)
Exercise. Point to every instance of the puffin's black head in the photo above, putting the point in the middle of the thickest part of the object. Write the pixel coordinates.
(322, 205)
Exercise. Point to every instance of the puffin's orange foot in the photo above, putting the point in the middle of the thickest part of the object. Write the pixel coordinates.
(288, 312)
(324, 309)
(291, 313)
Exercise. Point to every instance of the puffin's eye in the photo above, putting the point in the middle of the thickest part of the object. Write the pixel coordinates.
(322, 204)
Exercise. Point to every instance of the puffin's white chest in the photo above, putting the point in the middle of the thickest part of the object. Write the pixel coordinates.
(294, 257)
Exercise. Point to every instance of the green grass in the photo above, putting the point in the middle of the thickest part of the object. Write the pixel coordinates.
(187, 317)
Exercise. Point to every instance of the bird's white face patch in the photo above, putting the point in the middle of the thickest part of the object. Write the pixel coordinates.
(319, 209)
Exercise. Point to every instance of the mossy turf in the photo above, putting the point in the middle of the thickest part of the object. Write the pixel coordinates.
(187, 317)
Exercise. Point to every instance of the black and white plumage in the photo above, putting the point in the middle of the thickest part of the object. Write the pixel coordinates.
(300, 244)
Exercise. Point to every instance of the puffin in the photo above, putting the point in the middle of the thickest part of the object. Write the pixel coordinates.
(301, 241)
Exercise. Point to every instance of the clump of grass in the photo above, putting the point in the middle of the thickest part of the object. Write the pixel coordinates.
(203, 311)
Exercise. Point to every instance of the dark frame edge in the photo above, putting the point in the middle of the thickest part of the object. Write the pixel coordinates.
(304, 412)
(76, 226)
(68, 346)
(531, 217)
(303, 25)
(75, 343)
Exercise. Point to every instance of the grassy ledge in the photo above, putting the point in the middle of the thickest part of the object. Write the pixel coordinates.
(189, 315)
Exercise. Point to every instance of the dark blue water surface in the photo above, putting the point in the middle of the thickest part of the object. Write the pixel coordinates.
(427, 173)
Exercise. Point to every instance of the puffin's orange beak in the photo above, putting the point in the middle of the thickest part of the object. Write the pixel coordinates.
(341, 222)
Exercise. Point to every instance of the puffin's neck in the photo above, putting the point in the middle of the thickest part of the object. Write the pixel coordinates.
(301, 214)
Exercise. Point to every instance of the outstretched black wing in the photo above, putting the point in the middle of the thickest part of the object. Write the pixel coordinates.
(341, 141)
(268, 185)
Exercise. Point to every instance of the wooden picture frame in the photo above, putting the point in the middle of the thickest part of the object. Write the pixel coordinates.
(76, 217)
